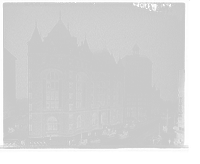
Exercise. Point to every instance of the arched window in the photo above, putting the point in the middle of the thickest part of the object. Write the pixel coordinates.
(52, 91)
(103, 118)
(52, 124)
(94, 119)
(79, 122)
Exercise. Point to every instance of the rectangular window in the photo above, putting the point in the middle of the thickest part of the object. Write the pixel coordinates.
(48, 85)
(51, 60)
(52, 105)
(70, 126)
(70, 107)
(56, 104)
(48, 104)
(78, 104)
(48, 95)
(30, 96)
(53, 85)
(70, 96)
(30, 127)
(30, 116)
(57, 85)
(56, 95)
(70, 117)
(70, 84)
(30, 84)
(52, 95)
(70, 74)
(78, 96)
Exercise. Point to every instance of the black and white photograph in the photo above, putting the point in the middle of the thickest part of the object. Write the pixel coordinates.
(94, 75)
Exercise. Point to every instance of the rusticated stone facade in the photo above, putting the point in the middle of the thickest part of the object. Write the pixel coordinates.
(66, 95)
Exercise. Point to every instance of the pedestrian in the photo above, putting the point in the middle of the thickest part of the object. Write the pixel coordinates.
(153, 141)
(169, 141)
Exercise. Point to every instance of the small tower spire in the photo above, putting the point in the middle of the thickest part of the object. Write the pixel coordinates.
(35, 24)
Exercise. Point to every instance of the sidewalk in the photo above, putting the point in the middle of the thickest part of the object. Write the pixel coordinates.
(23, 134)
(154, 132)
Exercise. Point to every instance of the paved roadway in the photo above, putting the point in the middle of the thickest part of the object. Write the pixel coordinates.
(135, 133)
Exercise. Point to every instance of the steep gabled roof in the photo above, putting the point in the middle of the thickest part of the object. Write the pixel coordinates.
(60, 28)
(35, 37)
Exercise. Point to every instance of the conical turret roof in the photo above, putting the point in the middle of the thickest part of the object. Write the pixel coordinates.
(120, 63)
(135, 48)
(85, 46)
(35, 37)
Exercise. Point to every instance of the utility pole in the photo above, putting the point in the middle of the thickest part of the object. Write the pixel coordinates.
(167, 119)
(174, 117)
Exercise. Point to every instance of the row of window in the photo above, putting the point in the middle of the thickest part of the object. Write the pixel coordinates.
(52, 123)
(137, 103)
(71, 61)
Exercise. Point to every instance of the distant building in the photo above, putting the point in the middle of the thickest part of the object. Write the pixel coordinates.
(181, 108)
(155, 101)
(137, 82)
(9, 83)
(107, 88)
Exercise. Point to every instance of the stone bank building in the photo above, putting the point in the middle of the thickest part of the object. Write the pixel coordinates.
(70, 89)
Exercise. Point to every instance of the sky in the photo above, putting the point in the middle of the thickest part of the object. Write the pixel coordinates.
(114, 27)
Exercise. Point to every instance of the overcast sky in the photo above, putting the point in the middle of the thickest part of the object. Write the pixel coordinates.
(160, 35)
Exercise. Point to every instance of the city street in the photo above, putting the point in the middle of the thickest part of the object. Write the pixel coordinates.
(136, 136)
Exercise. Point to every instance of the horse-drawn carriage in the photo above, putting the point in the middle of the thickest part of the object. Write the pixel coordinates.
(112, 133)
(107, 130)
(95, 141)
(83, 141)
(124, 134)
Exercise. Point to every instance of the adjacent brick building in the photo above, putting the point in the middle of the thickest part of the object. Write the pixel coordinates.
(107, 88)
(138, 85)
(68, 92)
(9, 83)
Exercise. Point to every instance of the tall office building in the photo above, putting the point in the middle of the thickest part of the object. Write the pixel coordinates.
(9, 94)
(138, 88)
